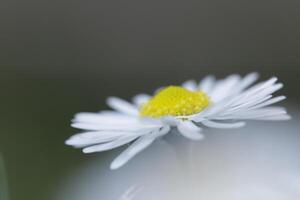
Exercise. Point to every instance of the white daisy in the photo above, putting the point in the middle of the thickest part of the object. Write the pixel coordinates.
(218, 104)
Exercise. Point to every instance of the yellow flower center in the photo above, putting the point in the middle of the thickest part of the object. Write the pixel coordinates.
(175, 101)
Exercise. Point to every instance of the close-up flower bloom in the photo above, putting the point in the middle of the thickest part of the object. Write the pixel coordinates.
(223, 104)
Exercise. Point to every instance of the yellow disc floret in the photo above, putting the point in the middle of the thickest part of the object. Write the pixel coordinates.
(175, 101)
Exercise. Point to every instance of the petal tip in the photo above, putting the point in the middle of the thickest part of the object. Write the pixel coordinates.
(87, 150)
(114, 166)
(110, 99)
(117, 163)
(68, 142)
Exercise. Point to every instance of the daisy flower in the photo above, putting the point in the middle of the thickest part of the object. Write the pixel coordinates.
(211, 103)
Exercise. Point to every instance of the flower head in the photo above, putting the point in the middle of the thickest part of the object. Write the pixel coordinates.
(218, 104)
(175, 101)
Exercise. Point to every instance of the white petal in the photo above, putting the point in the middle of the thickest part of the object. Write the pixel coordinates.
(89, 138)
(252, 114)
(136, 147)
(113, 121)
(197, 117)
(164, 130)
(235, 105)
(122, 106)
(257, 88)
(213, 124)
(95, 137)
(190, 130)
(170, 120)
(207, 84)
(209, 112)
(115, 127)
(253, 95)
(257, 114)
(247, 81)
(224, 88)
(190, 85)
(260, 113)
(109, 145)
(269, 102)
(240, 103)
(277, 117)
(262, 93)
(141, 99)
(106, 118)
(244, 106)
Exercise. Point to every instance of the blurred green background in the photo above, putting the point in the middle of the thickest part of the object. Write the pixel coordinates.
(62, 57)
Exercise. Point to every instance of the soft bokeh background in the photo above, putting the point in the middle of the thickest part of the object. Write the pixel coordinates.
(61, 57)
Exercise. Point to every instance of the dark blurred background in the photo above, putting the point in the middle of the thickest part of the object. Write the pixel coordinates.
(60, 57)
